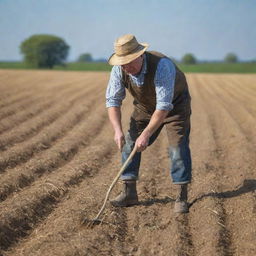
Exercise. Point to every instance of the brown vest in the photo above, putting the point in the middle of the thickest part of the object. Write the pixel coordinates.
(145, 95)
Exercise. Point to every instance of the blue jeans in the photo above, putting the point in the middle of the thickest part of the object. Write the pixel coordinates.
(179, 154)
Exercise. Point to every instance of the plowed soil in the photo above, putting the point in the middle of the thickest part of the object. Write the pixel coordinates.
(58, 158)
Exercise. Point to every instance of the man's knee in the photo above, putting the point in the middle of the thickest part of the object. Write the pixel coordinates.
(129, 143)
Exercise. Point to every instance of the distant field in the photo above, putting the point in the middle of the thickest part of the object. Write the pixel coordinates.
(245, 67)
(73, 66)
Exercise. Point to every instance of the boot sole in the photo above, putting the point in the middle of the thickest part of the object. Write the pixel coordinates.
(118, 204)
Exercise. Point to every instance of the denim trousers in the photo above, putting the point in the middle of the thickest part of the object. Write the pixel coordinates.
(179, 151)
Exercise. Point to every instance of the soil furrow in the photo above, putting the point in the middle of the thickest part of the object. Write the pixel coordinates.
(44, 194)
(242, 98)
(239, 127)
(47, 161)
(186, 247)
(204, 223)
(247, 83)
(46, 101)
(33, 98)
(120, 233)
(241, 173)
(154, 216)
(237, 89)
(65, 220)
(21, 154)
(11, 122)
(34, 125)
(228, 157)
(22, 89)
(55, 131)
(224, 246)
(14, 99)
(15, 85)
(86, 201)
(40, 83)
(201, 234)
(14, 108)
(44, 139)
(239, 113)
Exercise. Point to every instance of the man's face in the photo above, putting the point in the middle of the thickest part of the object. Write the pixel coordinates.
(133, 67)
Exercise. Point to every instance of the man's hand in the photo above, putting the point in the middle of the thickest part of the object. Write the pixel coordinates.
(142, 141)
(119, 139)
(114, 114)
(155, 122)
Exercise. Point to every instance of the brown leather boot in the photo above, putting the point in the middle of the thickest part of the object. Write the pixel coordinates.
(181, 204)
(128, 196)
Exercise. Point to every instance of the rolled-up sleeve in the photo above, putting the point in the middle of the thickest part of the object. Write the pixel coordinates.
(164, 84)
(115, 92)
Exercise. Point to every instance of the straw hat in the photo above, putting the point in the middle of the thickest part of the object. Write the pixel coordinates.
(127, 49)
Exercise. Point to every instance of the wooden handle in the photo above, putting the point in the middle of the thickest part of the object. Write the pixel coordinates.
(116, 179)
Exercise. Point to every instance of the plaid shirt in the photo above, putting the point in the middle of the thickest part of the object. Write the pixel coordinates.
(164, 84)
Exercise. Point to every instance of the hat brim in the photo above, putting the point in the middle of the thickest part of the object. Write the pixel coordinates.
(116, 60)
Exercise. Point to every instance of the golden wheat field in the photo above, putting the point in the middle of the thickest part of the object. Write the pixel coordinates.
(58, 158)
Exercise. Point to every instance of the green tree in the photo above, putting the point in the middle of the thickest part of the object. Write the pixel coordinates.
(85, 57)
(44, 50)
(231, 58)
(188, 58)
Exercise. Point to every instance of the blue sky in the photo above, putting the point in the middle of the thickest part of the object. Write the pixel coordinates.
(207, 28)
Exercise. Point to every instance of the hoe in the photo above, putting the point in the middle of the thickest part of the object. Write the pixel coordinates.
(92, 222)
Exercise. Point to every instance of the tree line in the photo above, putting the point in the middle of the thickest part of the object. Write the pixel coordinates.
(189, 58)
(46, 51)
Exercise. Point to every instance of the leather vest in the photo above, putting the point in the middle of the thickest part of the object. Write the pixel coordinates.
(145, 95)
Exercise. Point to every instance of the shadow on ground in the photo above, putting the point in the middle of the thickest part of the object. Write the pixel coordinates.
(246, 187)
(152, 201)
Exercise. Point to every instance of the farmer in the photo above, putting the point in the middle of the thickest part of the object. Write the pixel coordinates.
(161, 99)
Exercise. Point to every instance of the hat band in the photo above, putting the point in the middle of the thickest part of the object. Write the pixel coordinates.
(128, 52)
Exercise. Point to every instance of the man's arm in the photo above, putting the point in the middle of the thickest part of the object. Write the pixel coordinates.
(155, 122)
(115, 93)
(114, 114)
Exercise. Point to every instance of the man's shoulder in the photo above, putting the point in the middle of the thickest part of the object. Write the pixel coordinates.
(116, 72)
(155, 54)
(116, 69)
(160, 61)
(166, 61)
(157, 57)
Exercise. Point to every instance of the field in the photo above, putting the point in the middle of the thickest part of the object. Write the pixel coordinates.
(207, 67)
(58, 159)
